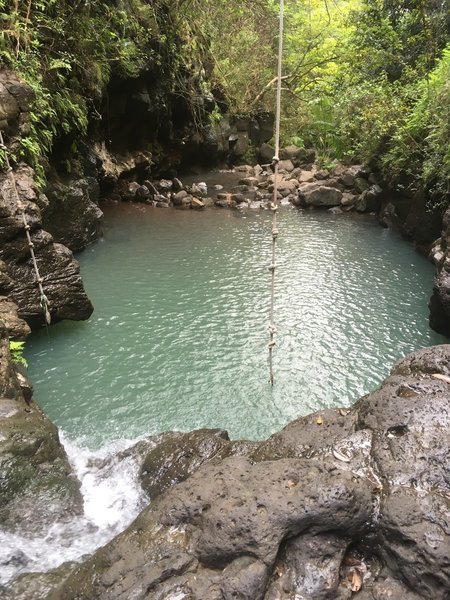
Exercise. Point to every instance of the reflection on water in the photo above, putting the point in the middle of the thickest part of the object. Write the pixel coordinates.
(178, 337)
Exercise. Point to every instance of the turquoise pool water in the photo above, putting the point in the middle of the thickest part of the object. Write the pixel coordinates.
(178, 337)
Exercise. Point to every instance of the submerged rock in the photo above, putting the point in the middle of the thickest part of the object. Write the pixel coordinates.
(338, 501)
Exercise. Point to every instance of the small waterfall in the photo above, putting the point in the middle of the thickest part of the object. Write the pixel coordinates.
(112, 497)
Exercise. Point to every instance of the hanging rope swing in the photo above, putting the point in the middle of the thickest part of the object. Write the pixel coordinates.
(274, 204)
(43, 300)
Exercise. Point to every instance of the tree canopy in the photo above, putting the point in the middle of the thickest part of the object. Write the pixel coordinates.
(363, 79)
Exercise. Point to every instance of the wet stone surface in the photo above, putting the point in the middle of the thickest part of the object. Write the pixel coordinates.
(339, 502)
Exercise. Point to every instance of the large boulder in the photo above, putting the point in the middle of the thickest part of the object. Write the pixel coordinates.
(72, 216)
(60, 273)
(318, 195)
(341, 501)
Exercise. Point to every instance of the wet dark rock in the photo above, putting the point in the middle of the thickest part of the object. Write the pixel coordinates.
(439, 304)
(36, 586)
(60, 272)
(440, 300)
(177, 455)
(370, 199)
(177, 185)
(164, 185)
(177, 198)
(361, 184)
(240, 189)
(266, 153)
(221, 203)
(340, 498)
(16, 328)
(37, 486)
(151, 187)
(143, 193)
(238, 198)
(387, 216)
(72, 216)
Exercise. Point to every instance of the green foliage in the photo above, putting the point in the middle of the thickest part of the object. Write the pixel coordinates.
(421, 146)
(237, 40)
(16, 350)
(363, 79)
(67, 51)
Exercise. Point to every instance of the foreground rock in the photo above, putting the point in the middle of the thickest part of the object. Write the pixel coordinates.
(339, 502)
(37, 486)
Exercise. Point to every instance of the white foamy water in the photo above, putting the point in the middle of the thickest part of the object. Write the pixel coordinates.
(112, 499)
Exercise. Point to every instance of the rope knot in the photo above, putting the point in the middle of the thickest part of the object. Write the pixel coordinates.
(45, 305)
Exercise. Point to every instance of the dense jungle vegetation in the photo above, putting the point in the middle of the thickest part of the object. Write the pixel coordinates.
(364, 79)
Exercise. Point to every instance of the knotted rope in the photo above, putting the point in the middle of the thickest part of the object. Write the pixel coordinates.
(274, 204)
(43, 300)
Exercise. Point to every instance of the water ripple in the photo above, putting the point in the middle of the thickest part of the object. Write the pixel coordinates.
(178, 338)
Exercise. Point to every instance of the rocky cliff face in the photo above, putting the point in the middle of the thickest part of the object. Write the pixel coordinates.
(338, 502)
(59, 271)
(440, 300)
